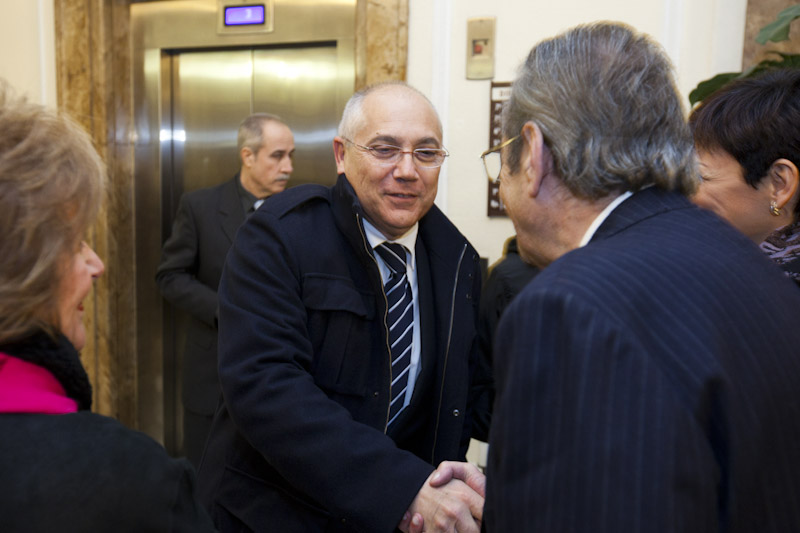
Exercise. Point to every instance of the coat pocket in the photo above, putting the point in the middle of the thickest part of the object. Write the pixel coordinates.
(340, 325)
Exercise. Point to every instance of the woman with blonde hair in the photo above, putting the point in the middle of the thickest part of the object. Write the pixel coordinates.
(62, 467)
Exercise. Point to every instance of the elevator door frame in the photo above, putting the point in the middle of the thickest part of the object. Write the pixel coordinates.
(159, 30)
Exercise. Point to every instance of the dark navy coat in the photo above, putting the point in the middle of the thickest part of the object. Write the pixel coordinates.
(300, 442)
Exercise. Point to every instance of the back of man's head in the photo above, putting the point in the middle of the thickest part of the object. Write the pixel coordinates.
(605, 100)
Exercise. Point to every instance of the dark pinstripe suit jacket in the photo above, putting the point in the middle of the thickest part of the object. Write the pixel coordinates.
(649, 381)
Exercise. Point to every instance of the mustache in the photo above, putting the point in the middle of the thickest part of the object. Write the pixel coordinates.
(283, 177)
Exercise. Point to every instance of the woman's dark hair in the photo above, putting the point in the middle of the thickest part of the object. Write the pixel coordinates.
(755, 120)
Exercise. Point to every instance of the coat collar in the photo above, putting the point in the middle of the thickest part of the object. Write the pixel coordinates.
(442, 239)
(642, 205)
(231, 215)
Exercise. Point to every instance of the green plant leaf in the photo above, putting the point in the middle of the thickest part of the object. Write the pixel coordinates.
(707, 87)
(778, 30)
(785, 61)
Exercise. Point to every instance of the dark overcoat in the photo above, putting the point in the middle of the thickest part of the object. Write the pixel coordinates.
(300, 443)
(188, 277)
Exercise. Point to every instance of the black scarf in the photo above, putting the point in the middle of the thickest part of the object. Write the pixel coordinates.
(60, 358)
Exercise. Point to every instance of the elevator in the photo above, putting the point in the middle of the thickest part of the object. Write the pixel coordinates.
(195, 77)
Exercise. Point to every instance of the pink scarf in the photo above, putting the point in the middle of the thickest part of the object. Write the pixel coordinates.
(29, 388)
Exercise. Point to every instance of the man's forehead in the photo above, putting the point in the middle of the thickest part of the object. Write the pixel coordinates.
(274, 128)
(399, 113)
(400, 139)
(274, 133)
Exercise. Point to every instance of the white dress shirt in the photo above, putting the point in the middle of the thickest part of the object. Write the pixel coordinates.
(602, 217)
(409, 241)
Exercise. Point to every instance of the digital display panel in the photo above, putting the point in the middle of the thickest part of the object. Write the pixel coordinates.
(244, 15)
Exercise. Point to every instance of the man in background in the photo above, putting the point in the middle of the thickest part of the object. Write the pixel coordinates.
(194, 254)
(506, 279)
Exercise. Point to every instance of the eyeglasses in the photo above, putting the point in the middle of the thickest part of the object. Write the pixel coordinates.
(387, 154)
(492, 161)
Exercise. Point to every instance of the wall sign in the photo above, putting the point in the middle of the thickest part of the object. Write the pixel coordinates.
(500, 92)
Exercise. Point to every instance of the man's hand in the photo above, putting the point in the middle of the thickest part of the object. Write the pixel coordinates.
(411, 523)
(447, 505)
(466, 472)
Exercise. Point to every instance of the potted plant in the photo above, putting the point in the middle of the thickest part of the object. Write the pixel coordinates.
(775, 31)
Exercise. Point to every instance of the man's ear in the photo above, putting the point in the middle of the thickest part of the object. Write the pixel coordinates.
(248, 157)
(535, 158)
(782, 178)
(338, 153)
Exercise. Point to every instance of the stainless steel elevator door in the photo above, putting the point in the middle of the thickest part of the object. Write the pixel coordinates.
(192, 85)
(210, 93)
(299, 84)
(214, 90)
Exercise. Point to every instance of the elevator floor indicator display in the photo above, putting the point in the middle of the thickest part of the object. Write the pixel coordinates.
(251, 15)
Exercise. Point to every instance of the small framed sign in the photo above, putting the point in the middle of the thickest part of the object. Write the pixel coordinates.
(500, 92)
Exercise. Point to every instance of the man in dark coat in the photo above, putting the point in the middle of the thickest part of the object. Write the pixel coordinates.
(506, 279)
(194, 254)
(647, 379)
(326, 426)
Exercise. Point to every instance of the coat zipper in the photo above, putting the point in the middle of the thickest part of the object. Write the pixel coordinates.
(389, 348)
(447, 354)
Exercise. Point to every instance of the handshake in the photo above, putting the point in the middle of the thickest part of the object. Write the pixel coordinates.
(450, 501)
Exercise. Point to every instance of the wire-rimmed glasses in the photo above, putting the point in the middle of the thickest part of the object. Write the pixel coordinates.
(388, 154)
(492, 161)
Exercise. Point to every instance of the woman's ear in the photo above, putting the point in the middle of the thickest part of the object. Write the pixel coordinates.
(783, 178)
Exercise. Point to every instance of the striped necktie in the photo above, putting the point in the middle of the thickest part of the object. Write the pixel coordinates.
(400, 321)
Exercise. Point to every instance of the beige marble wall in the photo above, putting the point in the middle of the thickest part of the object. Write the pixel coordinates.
(381, 41)
(94, 86)
(759, 14)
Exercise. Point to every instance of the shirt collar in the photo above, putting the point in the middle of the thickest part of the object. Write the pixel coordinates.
(246, 197)
(409, 239)
(602, 217)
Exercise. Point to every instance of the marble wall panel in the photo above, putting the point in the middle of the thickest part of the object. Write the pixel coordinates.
(381, 41)
(93, 80)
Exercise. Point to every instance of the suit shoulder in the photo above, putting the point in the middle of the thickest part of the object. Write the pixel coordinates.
(280, 205)
(129, 441)
(84, 431)
(209, 194)
(437, 230)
